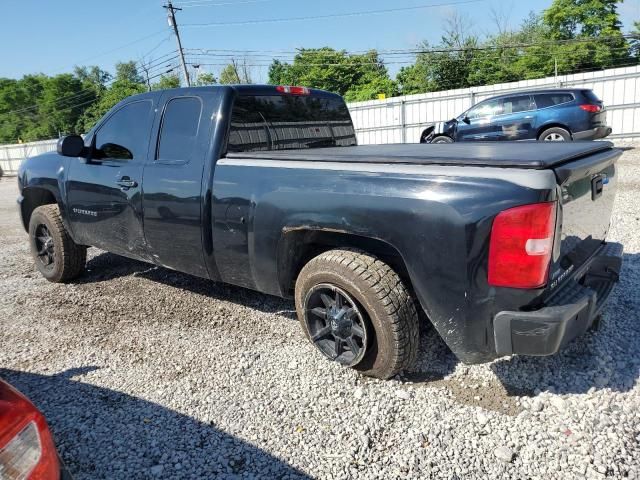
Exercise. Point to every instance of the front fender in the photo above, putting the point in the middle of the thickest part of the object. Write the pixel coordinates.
(41, 180)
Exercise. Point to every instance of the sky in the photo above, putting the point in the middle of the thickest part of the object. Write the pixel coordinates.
(51, 37)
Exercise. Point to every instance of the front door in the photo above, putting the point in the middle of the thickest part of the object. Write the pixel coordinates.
(104, 191)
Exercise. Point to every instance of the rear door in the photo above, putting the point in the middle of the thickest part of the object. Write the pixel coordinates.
(172, 197)
(517, 120)
(104, 192)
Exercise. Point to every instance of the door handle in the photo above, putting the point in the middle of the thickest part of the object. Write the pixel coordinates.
(125, 183)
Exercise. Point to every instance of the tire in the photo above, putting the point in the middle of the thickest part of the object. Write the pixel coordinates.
(56, 255)
(555, 134)
(442, 139)
(381, 300)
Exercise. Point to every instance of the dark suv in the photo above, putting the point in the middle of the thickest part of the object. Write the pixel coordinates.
(551, 115)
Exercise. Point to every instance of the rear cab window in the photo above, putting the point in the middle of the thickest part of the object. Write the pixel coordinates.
(283, 122)
(179, 129)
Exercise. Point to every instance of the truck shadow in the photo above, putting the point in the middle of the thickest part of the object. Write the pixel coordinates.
(107, 266)
(102, 433)
(606, 358)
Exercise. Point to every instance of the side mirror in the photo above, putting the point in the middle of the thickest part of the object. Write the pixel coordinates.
(71, 146)
(466, 120)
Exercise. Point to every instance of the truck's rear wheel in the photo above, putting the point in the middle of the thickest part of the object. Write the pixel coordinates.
(355, 309)
(57, 257)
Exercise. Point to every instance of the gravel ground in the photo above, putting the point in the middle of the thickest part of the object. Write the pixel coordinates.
(147, 373)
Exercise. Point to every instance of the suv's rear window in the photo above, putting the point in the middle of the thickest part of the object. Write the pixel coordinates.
(592, 97)
(281, 122)
(544, 100)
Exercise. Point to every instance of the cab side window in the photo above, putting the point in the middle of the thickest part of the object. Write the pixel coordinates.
(179, 130)
(125, 134)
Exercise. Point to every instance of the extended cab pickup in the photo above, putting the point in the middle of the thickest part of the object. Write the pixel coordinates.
(502, 246)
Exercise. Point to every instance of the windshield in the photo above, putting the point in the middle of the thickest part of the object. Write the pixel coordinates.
(282, 122)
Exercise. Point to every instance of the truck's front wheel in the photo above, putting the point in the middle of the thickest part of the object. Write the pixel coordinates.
(57, 257)
(355, 309)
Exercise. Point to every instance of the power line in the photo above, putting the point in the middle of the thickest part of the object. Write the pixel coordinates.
(117, 48)
(415, 51)
(205, 3)
(331, 15)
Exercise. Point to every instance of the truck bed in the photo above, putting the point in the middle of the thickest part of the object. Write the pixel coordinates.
(527, 155)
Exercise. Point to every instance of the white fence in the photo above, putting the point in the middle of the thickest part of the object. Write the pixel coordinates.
(402, 119)
(12, 155)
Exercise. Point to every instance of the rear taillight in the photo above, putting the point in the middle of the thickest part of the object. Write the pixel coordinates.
(591, 108)
(293, 90)
(27, 450)
(521, 246)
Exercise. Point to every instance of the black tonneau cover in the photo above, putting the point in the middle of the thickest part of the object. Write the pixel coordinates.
(535, 155)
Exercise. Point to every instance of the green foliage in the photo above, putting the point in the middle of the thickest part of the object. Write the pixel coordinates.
(167, 81)
(571, 35)
(356, 77)
(235, 73)
(206, 79)
(127, 82)
(229, 75)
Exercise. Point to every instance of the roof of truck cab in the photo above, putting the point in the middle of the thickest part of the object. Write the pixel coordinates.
(532, 155)
(243, 89)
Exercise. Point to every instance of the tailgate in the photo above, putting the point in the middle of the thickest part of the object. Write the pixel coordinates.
(586, 194)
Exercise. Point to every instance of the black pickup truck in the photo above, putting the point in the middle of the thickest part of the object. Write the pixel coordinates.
(502, 246)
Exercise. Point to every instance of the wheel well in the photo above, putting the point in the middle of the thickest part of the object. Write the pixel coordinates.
(552, 125)
(34, 198)
(297, 247)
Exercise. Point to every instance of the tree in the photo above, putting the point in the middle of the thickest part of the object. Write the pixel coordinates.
(235, 72)
(588, 34)
(635, 42)
(128, 72)
(167, 81)
(356, 77)
(127, 82)
(446, 66)
(206, 78)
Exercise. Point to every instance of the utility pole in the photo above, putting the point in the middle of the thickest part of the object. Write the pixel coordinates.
(171, 17)
(196, 68)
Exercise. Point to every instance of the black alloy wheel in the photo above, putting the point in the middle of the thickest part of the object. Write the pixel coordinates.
(336, 324)
(45, 247)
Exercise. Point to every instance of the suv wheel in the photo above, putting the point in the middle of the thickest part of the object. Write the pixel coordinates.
(555, 134)
(355, 309)
(442, 139)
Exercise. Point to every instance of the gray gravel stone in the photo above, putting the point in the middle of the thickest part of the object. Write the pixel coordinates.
(162, 370)
(504, 454)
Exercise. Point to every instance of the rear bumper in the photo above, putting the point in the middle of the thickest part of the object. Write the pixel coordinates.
(593, 133)
(567, 315)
